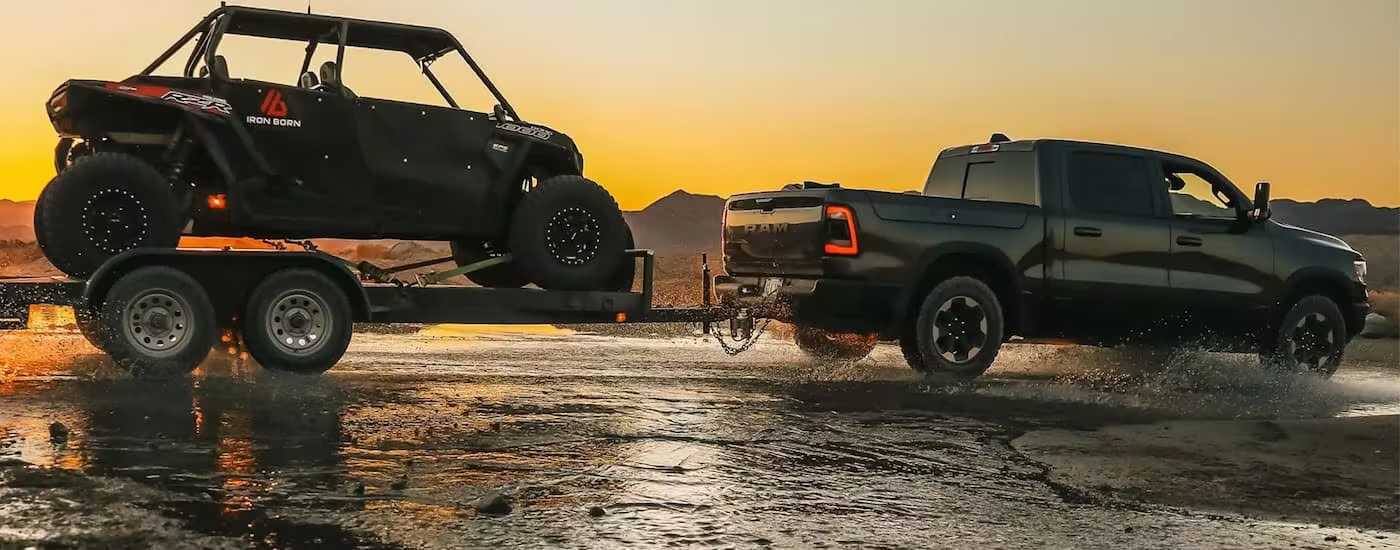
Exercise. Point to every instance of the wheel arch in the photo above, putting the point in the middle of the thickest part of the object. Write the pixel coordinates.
(1315, 280)
(981, 261)
(228, 277)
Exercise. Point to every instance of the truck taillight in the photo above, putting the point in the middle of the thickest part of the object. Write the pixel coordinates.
(841, 231)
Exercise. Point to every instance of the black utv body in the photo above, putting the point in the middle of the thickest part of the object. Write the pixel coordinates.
(144, 161)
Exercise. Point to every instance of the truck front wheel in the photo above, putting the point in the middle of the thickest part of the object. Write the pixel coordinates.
(1311, 337)
(958, 332)
(829, 346)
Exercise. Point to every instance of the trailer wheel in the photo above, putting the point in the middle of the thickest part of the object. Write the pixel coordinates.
(568, 234)
(829, 346)
(497, 276)
(158, 321)
(101, 206)
(90, 326)
(297, 320)
(959, 330)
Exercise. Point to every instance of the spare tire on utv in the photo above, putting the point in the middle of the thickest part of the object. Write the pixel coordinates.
(103, 205)
(569, 234)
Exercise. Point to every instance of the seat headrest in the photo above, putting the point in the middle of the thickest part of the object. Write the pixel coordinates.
(330, 73)
(220, 68)
(308, 80)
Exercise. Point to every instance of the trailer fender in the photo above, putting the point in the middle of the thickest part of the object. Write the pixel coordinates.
(227, 275)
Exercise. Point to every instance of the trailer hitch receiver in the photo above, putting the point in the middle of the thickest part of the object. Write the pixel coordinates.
(741, 326)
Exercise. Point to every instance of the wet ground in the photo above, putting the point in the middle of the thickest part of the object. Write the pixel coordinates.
(598, 441)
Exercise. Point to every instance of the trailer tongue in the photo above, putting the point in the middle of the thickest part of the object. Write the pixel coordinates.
(157, 312)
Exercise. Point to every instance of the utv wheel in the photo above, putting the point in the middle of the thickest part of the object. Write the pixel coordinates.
(103, 205)
(626, 273)
(498, 276)
(297, 320)
(958, 332)
(828, 346)
(1311, 337)
(158, 323)
(568, 234)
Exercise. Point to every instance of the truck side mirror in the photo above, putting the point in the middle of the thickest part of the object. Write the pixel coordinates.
(1261, 201)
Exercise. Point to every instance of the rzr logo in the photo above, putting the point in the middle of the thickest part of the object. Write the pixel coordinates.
(273, 105)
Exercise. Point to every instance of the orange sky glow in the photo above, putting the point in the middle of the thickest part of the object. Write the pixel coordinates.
(723, 96)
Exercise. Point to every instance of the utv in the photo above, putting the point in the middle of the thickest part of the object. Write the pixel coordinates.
(144, 161)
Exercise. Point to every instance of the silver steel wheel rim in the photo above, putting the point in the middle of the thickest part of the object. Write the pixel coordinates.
(1311, 343)
(298, 322)
(158, 322)
(959, 330)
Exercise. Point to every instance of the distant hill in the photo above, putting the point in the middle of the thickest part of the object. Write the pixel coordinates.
(1338, 216)
(678, 222)
(16, 220)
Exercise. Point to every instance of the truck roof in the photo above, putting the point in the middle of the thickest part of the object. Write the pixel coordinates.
(999, 142)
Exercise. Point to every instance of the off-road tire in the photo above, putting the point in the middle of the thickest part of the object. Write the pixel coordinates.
(103, 205)
(551, 219)
(1321, 356)
(297, 320)
(828, 346)
(949, 309)
(172, 346)
(497, 276)
(626, 273)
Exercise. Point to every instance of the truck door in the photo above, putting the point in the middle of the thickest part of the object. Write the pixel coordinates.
(1116, 242)
(1221, 267)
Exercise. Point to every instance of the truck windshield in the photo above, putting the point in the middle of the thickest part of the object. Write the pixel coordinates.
(1006, 176)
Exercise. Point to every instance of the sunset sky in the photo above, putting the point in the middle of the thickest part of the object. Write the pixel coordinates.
(722, 96)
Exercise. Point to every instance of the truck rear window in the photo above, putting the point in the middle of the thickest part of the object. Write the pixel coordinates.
(1007, 176)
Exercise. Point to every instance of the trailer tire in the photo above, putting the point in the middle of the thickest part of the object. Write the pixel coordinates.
(103, 205)
(828, 346)
(958, 332)
(297, 320)
(568, 234)
(497, 276)
(90, 326)
(159, 323)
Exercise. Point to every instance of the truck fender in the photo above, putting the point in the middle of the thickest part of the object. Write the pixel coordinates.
(988, 259)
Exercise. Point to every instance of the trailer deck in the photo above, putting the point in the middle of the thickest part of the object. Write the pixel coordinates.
(229, 279)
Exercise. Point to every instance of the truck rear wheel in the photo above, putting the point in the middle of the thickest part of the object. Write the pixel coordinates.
(158, 323)
(297, 320)
(103, 205)
(1311, 337)
(829, 346)
(958, 332)
(568, 234)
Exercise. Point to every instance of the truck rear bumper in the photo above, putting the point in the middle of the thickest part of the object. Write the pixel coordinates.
(835, 305)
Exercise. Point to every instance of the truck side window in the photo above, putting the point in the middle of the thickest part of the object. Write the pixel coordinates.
(1109, 183)
(946, 178)
(1194, 195)
(1001, 177)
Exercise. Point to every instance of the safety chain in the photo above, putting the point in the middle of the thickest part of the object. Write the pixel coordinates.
(743, 347)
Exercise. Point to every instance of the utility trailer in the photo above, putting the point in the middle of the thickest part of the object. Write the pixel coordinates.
(159, 312)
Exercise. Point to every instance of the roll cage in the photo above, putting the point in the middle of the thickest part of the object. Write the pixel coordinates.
(424, 45)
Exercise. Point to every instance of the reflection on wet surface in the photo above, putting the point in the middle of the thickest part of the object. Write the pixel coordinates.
(677, 443)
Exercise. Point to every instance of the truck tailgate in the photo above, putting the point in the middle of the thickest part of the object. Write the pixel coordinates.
(777, 233)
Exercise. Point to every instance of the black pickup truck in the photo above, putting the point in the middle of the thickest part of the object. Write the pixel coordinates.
(1044, 240)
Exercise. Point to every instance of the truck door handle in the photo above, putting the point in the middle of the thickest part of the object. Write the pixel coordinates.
(1188, 241)
(1083, 231)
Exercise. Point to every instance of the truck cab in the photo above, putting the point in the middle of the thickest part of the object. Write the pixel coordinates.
(1092, 242)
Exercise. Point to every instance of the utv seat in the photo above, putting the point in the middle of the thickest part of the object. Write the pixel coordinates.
(308, 81)
(330, 79)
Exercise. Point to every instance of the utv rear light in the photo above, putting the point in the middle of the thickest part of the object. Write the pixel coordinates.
(841, 231)
(217, 202)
